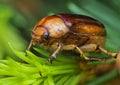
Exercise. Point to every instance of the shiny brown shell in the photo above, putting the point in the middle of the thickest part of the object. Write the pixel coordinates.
(69, 29)
(67, 32)
(83, 30)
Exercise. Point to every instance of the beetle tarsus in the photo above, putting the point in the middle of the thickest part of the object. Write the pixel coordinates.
(94, 59)
(51, 58)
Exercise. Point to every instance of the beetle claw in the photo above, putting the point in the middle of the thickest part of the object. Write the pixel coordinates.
(51, 58)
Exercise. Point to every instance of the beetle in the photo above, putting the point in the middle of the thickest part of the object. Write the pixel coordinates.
(75, 32)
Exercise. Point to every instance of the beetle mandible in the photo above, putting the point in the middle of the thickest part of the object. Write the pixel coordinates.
(75, 32)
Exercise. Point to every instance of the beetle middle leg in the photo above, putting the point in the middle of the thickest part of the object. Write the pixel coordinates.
(85, 57)
(53, 56)
(86, 48)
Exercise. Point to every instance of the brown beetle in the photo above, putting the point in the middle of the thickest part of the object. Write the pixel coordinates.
(70, 32)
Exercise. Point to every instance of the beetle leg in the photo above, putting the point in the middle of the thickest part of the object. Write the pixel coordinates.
(53, 56)
(107, 52)
(81, 52)
(85, 57)
(30, 45)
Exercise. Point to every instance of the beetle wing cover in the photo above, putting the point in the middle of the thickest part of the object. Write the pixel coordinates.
(83, 25)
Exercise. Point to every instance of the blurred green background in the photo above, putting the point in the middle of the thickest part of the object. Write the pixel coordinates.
(18, 17)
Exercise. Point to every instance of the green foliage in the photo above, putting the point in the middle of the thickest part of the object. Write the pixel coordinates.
(8, 33)
(65, 70)
(36, 70)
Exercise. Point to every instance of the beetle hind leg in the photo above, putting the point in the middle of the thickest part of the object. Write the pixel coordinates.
(107, 52)
(93, 48)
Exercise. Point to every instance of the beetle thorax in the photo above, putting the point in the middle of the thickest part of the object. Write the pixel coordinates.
(56, 27)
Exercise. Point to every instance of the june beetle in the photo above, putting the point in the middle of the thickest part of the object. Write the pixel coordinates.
(75, 32)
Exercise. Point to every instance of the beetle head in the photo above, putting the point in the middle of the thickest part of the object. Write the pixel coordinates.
(39, 35)
(51, 26)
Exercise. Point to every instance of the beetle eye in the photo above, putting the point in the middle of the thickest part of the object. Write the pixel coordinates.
(46, 35)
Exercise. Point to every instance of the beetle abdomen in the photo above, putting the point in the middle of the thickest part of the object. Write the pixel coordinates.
(83, 30)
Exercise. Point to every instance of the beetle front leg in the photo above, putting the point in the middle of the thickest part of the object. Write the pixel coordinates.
(53, 56)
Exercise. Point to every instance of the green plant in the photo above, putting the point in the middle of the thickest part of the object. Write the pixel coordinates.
(66, 69)
(34, 70)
